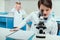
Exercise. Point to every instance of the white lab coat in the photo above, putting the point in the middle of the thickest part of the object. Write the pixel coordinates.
(51, 23)
(18, 17)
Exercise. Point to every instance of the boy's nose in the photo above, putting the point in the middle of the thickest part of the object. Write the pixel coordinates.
(44, 14)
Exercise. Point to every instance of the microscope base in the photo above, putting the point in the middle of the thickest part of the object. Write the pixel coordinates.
(40, 36)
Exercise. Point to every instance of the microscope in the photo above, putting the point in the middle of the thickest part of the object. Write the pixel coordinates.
(41, 27)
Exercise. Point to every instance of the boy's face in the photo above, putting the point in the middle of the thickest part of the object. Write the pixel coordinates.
(45, 10)
(18, 7)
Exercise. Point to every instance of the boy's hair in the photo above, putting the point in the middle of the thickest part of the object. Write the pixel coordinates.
(19, 3)
(47, 3)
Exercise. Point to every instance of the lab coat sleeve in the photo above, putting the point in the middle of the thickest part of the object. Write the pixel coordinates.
(54, 28)
(28, 18)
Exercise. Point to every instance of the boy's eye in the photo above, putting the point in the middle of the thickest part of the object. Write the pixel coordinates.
(42, 10)
(47, 10)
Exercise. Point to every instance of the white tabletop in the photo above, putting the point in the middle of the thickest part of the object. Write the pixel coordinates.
(23, 35)
(4, 32)
(57, 19)
(48, 37)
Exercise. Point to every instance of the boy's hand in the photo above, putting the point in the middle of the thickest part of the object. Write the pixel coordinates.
(15, 29)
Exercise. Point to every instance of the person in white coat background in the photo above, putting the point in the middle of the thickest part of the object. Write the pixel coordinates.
(44, 6)
(19, 14)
